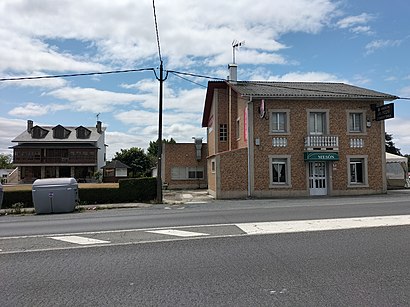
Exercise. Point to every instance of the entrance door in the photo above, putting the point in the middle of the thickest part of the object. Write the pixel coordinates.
(317, 178)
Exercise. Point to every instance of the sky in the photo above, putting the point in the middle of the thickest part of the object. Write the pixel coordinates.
(360, 42)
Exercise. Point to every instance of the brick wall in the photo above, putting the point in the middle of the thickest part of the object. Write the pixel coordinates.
(184, 155)
(338, 125)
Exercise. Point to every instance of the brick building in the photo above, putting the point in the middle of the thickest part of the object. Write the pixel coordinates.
(282, 139)
(53, 152)
(184, 165)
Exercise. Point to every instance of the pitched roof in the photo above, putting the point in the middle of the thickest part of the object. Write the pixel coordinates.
(116, 164)
(25, 136)
(308, 90)
(293, 90)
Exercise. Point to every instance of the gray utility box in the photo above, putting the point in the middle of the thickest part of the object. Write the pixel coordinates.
(55, 195)
(1, 194)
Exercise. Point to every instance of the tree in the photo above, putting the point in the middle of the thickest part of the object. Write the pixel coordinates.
(152, 150)
(5, 161)
(136, 159)
(390, 147)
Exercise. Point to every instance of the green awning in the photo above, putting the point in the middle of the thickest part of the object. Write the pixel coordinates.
(321, 156)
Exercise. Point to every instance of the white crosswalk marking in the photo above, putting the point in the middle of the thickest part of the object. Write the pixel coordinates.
(325, 224)
(79, 240)
(179, 233)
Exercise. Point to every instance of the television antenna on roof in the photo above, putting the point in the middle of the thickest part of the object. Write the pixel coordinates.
(235, 45)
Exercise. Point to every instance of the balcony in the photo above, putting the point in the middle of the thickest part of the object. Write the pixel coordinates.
(322, 142)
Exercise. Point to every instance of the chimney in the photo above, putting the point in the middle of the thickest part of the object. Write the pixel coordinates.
(29, 126)
(198, 148)
(98, 126)
(233, 72)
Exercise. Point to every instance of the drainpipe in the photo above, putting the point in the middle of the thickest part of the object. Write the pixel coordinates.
(250, 145)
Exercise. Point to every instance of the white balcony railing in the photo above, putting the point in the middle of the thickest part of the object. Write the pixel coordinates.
(322, 141)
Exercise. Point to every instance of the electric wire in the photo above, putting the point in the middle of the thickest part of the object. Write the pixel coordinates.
(188, 80)
(156, 31)
(76, 74)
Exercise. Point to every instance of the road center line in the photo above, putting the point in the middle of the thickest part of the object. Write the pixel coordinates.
(179, 233)
(79, 240)
(323, 224)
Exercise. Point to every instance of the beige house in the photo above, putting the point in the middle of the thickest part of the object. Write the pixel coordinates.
(285, 139)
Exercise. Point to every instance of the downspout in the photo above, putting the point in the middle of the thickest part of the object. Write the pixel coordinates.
(250, 146)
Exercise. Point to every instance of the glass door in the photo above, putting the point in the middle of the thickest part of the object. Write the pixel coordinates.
(317, 178)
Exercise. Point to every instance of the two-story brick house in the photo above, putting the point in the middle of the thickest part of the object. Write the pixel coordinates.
(53, 152)
(282, 139)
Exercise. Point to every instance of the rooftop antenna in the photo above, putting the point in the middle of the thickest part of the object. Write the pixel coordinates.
(235, 45)
(98, 116)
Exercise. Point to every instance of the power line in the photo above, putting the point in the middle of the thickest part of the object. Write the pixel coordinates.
(76, 74)
(186, 79)
(156, 31)
(195, 75)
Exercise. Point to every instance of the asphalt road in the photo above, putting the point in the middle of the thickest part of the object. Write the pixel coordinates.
(202, 255)
(361, 267)
(217, 212)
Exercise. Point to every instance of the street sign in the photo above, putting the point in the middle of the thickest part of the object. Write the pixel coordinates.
(385, 111)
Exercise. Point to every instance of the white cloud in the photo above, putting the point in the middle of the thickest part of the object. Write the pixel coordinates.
(379, 44)
(405, 91)
(25, 54)
(126, 35)
(48, 83)
(93, 100)
(353, 21)
(30, 109)
(120, 140)
(313, 76)
(9, 129)
(399, 127)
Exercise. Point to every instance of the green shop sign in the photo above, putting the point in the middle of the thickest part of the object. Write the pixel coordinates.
(321, 156)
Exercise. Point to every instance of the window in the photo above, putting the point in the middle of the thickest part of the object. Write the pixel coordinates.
(279, 171)
(238, 127)
(185, 173)
(83, 133)
(223, 132)
(317, 123)
(213, 166)
(279, 121)
(356, 122)
(357, 171)
(59, 132)
(38, 133)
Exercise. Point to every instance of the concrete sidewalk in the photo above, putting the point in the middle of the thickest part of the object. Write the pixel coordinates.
(170, 197)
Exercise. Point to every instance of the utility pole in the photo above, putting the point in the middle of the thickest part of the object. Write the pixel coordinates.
(159, 141)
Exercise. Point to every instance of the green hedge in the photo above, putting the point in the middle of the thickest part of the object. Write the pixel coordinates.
(13, 197)
(130, 190)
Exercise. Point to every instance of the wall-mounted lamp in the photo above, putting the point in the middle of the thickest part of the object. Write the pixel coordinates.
(368, 122)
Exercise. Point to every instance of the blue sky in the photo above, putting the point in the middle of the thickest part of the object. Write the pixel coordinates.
(360, 42)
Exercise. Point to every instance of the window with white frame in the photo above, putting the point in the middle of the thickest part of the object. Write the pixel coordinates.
(279, 171)
(223, 132)
(356, 122)
(279, 121)
(317, 123)
(213, 165)
(357, 171)
(186, 173)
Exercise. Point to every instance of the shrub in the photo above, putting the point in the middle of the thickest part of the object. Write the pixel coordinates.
(14, 197)
(130, 190)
